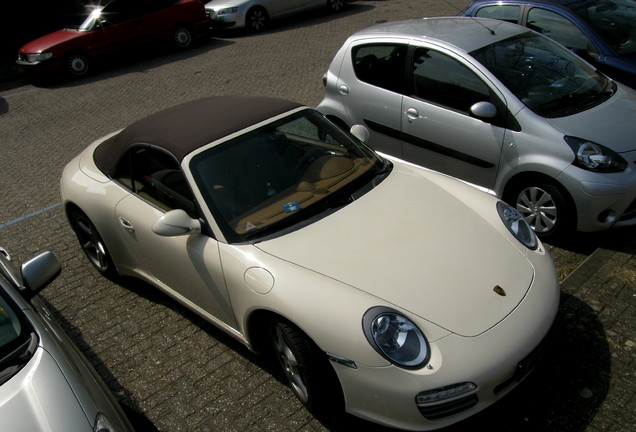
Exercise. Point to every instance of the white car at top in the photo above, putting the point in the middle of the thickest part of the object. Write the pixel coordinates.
(255, 15)
(401, 295)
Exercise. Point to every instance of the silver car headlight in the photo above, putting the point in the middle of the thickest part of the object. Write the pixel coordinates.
(38, 57)
(102, 424)
(227, 11)
(395, 337)
(517, 225)
(595, 157)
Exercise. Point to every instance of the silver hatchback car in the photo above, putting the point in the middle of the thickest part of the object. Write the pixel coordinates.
(499, 106)
(46, 384)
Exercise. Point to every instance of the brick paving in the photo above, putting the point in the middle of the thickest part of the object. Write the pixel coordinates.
(178, 372)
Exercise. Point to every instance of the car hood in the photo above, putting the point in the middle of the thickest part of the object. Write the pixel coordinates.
(51, 40)
(41, 396)
(610, 123)
(412, 244)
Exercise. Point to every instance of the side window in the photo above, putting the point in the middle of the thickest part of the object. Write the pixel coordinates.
(558, 28)
(444, 81)
(156, 177)
(508, 13)
(381, 65)
(118, 11)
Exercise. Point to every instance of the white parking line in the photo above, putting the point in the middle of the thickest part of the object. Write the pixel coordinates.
(30, 215)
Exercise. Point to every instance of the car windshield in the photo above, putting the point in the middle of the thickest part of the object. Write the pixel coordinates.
(547, 78)
(614, 21)
(282, 174)
(85, 22)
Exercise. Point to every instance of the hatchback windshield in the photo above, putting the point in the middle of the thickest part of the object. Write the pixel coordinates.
(282, 174)
(547, 78)
(614, 21)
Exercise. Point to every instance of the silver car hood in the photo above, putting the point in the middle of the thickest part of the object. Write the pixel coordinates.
(412, 244)
(38, 398)
(610, 124)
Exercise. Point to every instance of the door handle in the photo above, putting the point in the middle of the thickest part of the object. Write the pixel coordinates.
(412, 114)
(126, 224)
(343, 90)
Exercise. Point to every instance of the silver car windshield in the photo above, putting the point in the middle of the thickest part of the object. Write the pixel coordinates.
(614, 21)
(282, 174)
(547, 78)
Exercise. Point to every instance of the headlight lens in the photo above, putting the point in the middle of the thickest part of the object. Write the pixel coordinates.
(517, 225)
(38, 57)
(595, 157)
(227, 11)
(102, 424)
(395, 337)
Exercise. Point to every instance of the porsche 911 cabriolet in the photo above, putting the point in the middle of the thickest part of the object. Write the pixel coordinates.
(401, 295)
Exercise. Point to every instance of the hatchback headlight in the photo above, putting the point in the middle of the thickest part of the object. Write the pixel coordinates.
(595, 157)
(395, 337)
(517, 225)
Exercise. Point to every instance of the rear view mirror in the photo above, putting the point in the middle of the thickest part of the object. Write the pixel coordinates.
(176, 223)
(38, 272)
(483, 110)
(360, 132)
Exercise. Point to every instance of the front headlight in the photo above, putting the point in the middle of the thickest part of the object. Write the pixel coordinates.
(595, 157)
(227, 11)
(38, 57)
(517, 225)
(395, 337)
(102, 424)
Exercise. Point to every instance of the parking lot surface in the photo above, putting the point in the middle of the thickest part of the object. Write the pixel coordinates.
(174, 371)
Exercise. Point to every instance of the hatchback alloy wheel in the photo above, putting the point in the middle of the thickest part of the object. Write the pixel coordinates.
(539, 208)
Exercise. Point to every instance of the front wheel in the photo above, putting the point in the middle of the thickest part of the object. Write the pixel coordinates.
(335, 5)
(256, 19)
(77, 64)
(545, 207)
(92, 244)
(307, 370)
(182, 38)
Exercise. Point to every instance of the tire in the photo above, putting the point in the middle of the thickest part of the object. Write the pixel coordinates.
(307, 370)
(335, 5)
(256, 19)
(182, 38)
(545, 206)
(92, 244)
(77, 64)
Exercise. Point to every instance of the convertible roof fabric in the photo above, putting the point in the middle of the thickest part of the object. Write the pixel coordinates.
(183, 128)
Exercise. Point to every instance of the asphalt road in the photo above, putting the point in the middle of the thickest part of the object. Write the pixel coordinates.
(164, 363)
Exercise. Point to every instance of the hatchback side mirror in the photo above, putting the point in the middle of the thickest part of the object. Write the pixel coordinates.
(483, 110)
(176, 223)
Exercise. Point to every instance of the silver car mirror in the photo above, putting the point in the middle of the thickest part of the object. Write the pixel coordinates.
(483, 110)
(176, 223)
(360, 132)
(38, 272)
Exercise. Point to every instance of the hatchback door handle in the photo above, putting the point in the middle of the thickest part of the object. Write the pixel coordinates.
(412, 114)
(126, 224)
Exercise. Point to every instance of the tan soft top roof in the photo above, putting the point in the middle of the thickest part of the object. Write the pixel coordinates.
(183, 128)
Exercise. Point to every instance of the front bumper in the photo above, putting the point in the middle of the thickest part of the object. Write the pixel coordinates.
(494, 363)
(603, 200)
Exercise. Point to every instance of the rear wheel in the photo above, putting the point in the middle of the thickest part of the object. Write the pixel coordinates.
(92, 243)
(256, 19)
(306, 368)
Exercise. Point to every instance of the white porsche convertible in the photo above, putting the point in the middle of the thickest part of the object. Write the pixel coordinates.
(404, 296)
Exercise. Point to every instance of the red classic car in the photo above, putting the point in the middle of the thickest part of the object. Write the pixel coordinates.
(109, 29)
